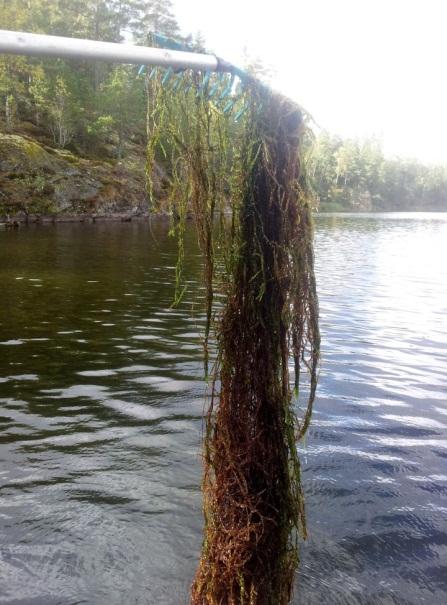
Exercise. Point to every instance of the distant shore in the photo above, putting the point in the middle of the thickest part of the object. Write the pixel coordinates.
(20, 221)
(16, 222)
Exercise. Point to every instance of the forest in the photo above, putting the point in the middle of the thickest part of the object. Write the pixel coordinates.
(354, 175)
(99, 111)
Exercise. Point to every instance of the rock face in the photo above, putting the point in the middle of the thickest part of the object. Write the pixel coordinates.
(39, 180)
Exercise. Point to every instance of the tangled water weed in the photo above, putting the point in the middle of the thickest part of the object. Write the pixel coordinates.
(253, 500)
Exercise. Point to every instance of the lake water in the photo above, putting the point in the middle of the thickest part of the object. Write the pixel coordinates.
(101, 399)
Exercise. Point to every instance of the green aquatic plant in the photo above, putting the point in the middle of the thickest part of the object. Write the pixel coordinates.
(237, 157)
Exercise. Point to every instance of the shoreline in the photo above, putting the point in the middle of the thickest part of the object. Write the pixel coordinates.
(17, 221)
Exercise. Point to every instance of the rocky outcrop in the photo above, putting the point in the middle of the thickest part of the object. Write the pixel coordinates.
(36, 179)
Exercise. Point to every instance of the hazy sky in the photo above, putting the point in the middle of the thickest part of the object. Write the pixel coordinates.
(360, 67)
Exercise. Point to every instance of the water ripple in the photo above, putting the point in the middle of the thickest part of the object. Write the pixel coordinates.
(102, 399)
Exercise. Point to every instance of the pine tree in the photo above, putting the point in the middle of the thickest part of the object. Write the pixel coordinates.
(155, 16)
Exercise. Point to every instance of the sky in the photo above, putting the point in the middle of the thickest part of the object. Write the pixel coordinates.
(359, 67)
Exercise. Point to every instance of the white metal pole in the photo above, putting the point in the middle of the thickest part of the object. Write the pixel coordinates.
(20, 43)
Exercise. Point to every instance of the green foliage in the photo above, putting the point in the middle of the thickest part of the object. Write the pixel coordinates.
(79, 104)
(122, 97)
(353, 175)
(98, 108)
(102, 126)
(155, 16)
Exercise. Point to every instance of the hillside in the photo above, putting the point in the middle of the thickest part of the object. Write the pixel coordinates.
(39, 181)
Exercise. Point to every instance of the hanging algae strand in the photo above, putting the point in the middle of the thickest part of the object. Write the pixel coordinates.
(253, 500)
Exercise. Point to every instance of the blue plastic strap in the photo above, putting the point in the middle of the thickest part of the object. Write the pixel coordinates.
(178, 80)
(163, 40)
(214, 88)
(204, 82)
(206, 79)
(240, 113)
(167, 75)
(228, 106)
(228, 89)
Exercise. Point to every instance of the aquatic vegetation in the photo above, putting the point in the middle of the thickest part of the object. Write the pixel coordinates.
(238, 166)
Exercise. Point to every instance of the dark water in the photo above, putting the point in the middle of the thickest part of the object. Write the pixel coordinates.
(101, 400)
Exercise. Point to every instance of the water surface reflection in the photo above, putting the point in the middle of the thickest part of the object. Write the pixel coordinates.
(101, 399)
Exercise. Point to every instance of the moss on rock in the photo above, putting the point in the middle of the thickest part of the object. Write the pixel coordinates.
(38, 179)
